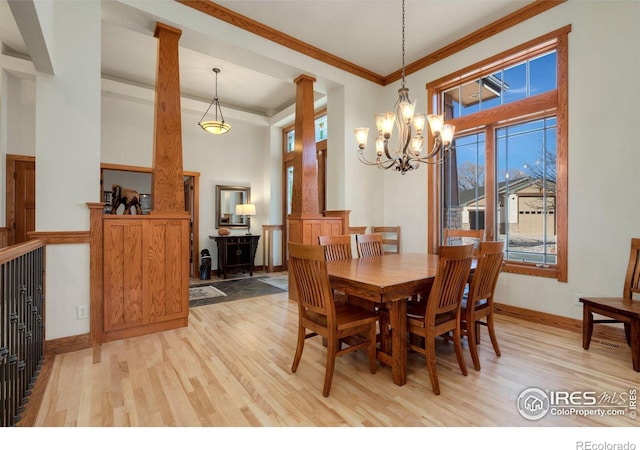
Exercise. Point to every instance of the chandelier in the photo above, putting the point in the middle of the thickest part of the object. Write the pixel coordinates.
(407, 153)
(215, 126)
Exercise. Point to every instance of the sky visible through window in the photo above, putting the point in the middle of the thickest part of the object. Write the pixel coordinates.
(523, 80)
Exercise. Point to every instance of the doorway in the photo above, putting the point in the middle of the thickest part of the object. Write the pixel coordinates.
(21, 198)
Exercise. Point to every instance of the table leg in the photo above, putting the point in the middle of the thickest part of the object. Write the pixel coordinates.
(635, 343)
(587, 326)
(398, 319)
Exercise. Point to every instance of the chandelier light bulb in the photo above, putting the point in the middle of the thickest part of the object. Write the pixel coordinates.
(435, 123)
(384, 123)
(407, 109)
(361, 137)
(418, 123)
(447, 133)
(416, 145)
(379, 146)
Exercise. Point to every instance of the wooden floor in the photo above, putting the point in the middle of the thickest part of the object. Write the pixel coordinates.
(231, 368)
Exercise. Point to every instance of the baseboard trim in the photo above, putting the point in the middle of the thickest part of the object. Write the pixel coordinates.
(67, 344)
(601, 332)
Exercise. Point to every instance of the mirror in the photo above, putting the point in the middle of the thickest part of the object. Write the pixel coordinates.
(227, 197)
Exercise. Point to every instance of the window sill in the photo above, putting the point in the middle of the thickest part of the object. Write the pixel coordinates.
(522, 268)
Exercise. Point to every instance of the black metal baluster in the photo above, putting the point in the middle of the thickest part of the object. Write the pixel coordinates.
(4, 349)
(22, 331)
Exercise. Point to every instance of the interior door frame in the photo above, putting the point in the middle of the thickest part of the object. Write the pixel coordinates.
(194, 210)
(10, 200)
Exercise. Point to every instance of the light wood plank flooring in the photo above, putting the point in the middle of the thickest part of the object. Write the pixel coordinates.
(231, 367)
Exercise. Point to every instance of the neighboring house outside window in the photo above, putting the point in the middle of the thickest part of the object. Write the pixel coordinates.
(508, 171)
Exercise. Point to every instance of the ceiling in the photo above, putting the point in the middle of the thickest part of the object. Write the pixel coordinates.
(339, 27)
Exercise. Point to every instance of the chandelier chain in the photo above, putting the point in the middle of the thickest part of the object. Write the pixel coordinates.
(403, 43)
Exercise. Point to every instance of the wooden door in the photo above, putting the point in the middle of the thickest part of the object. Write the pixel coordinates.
(192, 205)
(21, 197)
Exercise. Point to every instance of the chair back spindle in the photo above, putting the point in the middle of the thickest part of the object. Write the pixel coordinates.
(336, 247)
(369, 245)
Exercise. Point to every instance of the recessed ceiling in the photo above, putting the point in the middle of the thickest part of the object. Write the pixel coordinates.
(367, 33)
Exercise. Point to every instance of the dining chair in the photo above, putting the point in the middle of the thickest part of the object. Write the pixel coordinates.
(369, 245)
(477, 303)
(390, 238)
(336, 247)
(357, 230)
(441, 313)
(461, 237)
(318, 313)
(625, 309)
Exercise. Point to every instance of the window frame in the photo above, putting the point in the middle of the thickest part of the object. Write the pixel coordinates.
(543, 105)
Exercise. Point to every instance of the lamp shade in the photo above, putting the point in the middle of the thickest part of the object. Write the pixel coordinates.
(214, 126)
(246, 209)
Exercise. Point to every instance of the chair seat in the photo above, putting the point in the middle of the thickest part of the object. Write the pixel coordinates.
(345, 314)
(624, 306)
(479, 305)
(419, 321)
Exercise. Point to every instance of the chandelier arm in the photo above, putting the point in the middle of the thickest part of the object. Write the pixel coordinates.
(437, 146)
(381, 164)
(407, 142)
(363, 159)
(386, 149)
(428, 159)
(386, 164)
(219, 109)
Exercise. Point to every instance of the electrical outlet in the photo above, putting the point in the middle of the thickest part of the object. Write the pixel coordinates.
(577, 299)
(82, 312)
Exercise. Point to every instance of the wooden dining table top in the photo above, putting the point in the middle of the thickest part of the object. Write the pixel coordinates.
(384, 278)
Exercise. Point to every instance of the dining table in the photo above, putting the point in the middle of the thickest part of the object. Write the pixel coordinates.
(388, 280)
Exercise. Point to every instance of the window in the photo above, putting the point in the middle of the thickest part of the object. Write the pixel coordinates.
(321, 132)
(508, 171)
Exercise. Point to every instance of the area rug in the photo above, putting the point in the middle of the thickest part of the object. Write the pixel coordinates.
(238, 289)
(200, 293)
(279, 282)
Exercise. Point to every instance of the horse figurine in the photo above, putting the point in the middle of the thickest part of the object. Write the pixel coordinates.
(124, 196)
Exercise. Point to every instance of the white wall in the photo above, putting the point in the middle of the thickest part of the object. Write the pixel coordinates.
(67, 144)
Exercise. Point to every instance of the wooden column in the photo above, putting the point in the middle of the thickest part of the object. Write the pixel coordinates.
(306, 221)
(305, 174)
(96, 268)
(167, 190)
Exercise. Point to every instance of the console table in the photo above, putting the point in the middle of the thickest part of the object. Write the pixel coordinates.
(236, 253)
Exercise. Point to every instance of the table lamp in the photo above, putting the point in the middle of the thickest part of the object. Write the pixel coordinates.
(247, 210)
